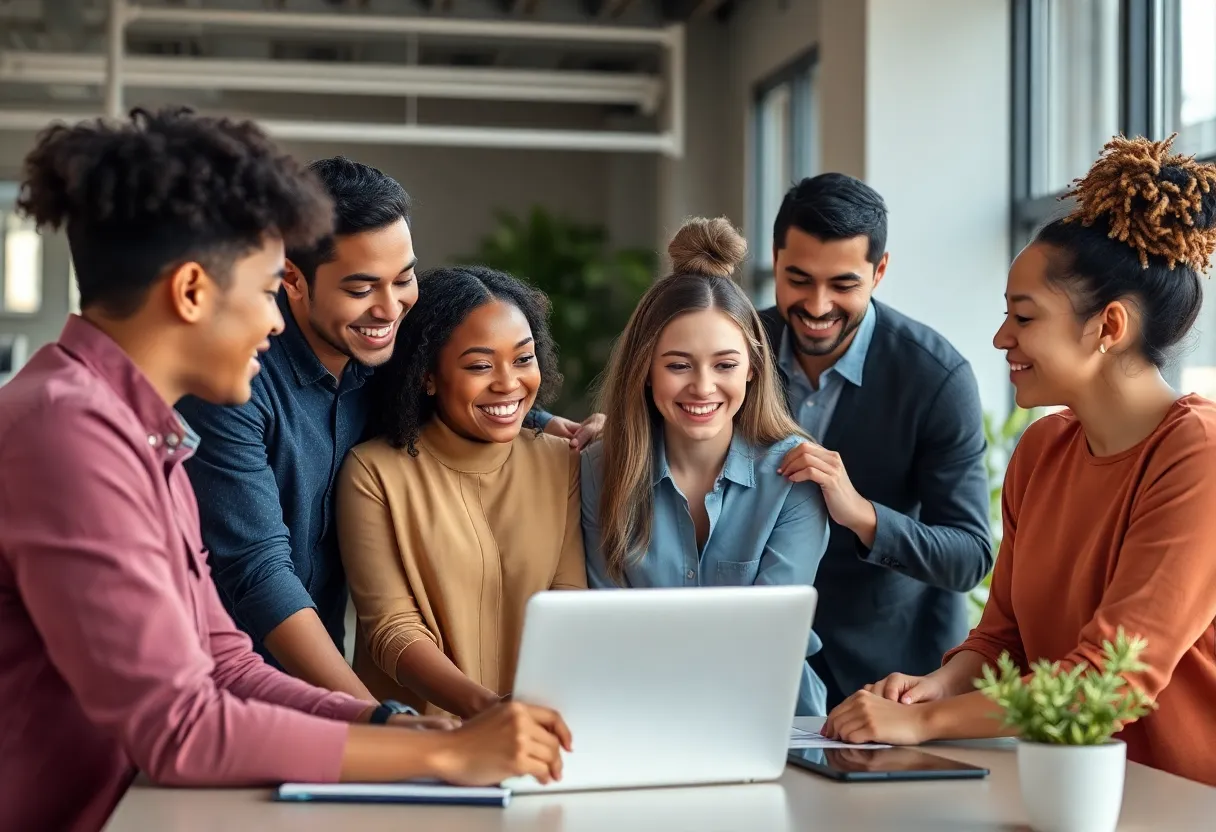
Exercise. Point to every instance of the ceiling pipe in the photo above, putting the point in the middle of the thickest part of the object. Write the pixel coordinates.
(643, 91)
(410, 134)
(280, 21)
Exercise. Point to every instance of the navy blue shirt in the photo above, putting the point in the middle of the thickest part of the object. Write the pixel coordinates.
(264, 476)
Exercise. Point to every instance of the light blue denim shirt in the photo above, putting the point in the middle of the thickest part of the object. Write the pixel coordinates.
(813, 408)
(762, 530)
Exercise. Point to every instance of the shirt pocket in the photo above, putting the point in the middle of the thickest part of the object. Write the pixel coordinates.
(737, 572)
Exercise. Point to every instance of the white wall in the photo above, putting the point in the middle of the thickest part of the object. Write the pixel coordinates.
(937, 147)
(912, 97)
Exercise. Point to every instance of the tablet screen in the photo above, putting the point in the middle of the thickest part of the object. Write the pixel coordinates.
(869, 761)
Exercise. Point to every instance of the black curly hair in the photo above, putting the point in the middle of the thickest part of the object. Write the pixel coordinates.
(141, 197)
(364, 198)
(446, 296)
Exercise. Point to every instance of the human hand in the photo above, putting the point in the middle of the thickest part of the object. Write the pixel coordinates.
(867, 717)
(814, 463)
(509, 740)
(908, 690)
(579, 434)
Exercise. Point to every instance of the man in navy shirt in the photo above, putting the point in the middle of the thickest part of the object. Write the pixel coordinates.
(264, 472)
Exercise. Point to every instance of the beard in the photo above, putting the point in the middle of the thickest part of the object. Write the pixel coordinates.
(820, 346)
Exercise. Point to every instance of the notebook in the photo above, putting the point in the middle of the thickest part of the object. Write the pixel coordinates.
(417, 793)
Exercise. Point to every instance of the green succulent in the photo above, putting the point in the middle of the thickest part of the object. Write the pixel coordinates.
(1080, 706)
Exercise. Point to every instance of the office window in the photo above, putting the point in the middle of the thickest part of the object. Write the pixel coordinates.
(1085, 70)
(786, 149)
(1188, 74)
(1075, 102)
(20, 258)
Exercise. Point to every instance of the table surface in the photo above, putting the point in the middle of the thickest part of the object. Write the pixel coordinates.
(800, 800)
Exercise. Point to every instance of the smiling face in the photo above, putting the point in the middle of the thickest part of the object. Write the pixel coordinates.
(1051, 354)
(823, 289)
(699, 373)
(358, 298)
(487, 376)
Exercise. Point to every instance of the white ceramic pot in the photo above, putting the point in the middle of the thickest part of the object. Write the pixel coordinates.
(1072, 788)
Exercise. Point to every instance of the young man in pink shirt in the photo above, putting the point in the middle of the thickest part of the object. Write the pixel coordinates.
(115, 651)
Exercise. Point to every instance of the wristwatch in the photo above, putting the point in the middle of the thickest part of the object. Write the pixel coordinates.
(388, 708)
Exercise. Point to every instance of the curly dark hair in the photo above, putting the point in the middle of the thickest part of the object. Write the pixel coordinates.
(446, 296)
(144, 196)
(365, 199)
(1143, 230)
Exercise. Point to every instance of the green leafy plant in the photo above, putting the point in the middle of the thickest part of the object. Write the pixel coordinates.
(1002, 437)
(1081, 706)
(593, 288)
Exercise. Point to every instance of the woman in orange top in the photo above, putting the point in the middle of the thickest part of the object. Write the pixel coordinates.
(1109, 506)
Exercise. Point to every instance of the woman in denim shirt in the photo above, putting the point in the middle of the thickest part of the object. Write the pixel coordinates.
(683, 489)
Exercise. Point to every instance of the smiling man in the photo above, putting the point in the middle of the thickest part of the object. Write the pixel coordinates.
(899, 442)
(264, 473)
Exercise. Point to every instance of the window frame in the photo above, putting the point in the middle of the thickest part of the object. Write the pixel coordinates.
(802, 142)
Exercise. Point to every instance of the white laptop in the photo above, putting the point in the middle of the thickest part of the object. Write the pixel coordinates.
(664, 687)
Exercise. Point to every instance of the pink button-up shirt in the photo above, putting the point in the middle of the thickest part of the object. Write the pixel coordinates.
(115, 651)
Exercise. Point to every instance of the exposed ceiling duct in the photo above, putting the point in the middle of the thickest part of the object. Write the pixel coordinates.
(649, 93)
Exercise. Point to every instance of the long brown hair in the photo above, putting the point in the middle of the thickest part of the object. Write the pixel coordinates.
(704, 254)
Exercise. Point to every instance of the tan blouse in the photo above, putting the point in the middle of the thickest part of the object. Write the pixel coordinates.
(450, 545)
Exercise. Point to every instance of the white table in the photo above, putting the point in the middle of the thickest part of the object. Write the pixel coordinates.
(798, 801)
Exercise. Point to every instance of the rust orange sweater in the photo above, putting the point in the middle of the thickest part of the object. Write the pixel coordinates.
(1092, 543)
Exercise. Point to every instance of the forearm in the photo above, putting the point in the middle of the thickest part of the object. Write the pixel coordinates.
(952, 557)
(424, 669)
(303, 647)
(958, 675)
(374, 754)
(966, 717)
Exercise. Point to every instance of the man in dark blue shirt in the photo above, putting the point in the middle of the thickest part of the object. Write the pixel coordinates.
(264, 473)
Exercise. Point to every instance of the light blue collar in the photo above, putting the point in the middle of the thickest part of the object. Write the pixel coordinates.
(740, 465)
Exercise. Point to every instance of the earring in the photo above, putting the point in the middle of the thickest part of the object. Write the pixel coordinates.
(1102, 348)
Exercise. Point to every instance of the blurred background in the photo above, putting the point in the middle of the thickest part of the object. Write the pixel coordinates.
(564, 140)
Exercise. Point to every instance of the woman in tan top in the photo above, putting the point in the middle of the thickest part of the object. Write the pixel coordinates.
(455, 516)
(1109, 507)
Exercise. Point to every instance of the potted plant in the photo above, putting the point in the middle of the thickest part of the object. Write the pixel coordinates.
(1070, 768)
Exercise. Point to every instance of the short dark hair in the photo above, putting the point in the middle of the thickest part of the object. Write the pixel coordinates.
(1143, 228)
(447, 295)
(834, 206)
(364, 199)
(144, 196)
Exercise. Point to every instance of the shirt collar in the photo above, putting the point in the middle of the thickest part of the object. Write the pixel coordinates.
(307, 367)
(739, 468)
(850, 366)
(166, 432)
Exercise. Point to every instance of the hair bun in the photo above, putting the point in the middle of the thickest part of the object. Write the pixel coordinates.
(704, 246)
(1162, 204)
